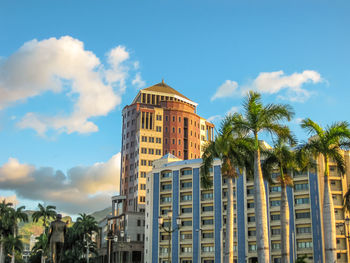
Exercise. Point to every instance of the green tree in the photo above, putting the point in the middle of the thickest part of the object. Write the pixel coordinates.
(45, 213)
(283, 159)
(78, 242)
(5, 226)
(327, 142)
(16, 216)
(41, 247)
(13, 243)
(233, 150)
(259, 118)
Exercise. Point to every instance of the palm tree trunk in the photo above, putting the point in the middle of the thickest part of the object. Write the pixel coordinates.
(284, 224)
(1, 249)
(229, 223)
(260, 212)
(328, 219)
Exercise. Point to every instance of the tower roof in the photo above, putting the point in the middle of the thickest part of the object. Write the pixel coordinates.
(164, 88)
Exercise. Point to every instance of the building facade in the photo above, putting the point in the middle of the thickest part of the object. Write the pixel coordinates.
(160, 120)
(174, 185)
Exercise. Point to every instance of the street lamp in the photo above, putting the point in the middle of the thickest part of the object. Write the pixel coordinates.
(110, 237)
(168, 229)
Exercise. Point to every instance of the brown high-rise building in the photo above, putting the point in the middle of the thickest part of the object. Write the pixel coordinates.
(159, 121)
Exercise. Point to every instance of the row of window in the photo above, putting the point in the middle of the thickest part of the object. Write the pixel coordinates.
(174, 119)
(146, 162)
(151, 151)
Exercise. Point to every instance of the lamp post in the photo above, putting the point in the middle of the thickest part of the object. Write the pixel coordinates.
(168, 229)
(110, 237)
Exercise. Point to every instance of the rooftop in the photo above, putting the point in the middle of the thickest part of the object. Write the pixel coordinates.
(164, 88)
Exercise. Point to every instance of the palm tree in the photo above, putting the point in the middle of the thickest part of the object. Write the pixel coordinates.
(42, 246)
(327, 143)
(15, 216)
(85, 226)
(258, 118)
(232, 149)
(282, 157)
(5, 224)
(13, 243)
(46, 213)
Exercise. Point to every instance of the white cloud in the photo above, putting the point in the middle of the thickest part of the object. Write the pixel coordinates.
(215, 118)
(272, 83)
(10, 199)
(82, 189)
(53, 65)
(233, 110)
(138, 82)
(227, 89)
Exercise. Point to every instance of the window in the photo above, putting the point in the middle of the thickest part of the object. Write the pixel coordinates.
(179, 130)
(186, 249)
(300, 201)
(250, 205)
(158, 152)
(301, 215)
(150, 151)
(275, 231)
(138, 222)
(275, 217)
(173, 141)
(301, 187)
(166, 118)
(142, 199)
(158, 129)
(186, 185)
(143, 162)
(166, 199)
(276, 246)
(186, 197)
(150, 163)
(186, 222)
(304, 230)
(144, 138)
(151, 139)
(207, 208)
(186, 210)
(173, 129)
(207, 222)
(251, 233)
(251, 219)
(143, 174)
(275, 203)
(208, 234)
(186, 172)
(250, 191)
(143, 186)
(159, 117)
(304, 244)
(207, 196)
(166, 187)
(251, 247)
(206, 248)
(179, 142)
(185, 236)
(173, 118)
(274, 189)
(158, 140)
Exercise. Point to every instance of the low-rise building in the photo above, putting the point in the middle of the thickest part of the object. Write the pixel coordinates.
(175, 197)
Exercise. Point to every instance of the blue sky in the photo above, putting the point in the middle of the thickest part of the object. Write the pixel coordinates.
(295, 52)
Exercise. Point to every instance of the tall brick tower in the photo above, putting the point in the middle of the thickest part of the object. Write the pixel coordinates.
(159, 121)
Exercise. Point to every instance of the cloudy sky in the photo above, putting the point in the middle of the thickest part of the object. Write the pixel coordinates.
(68, 68)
